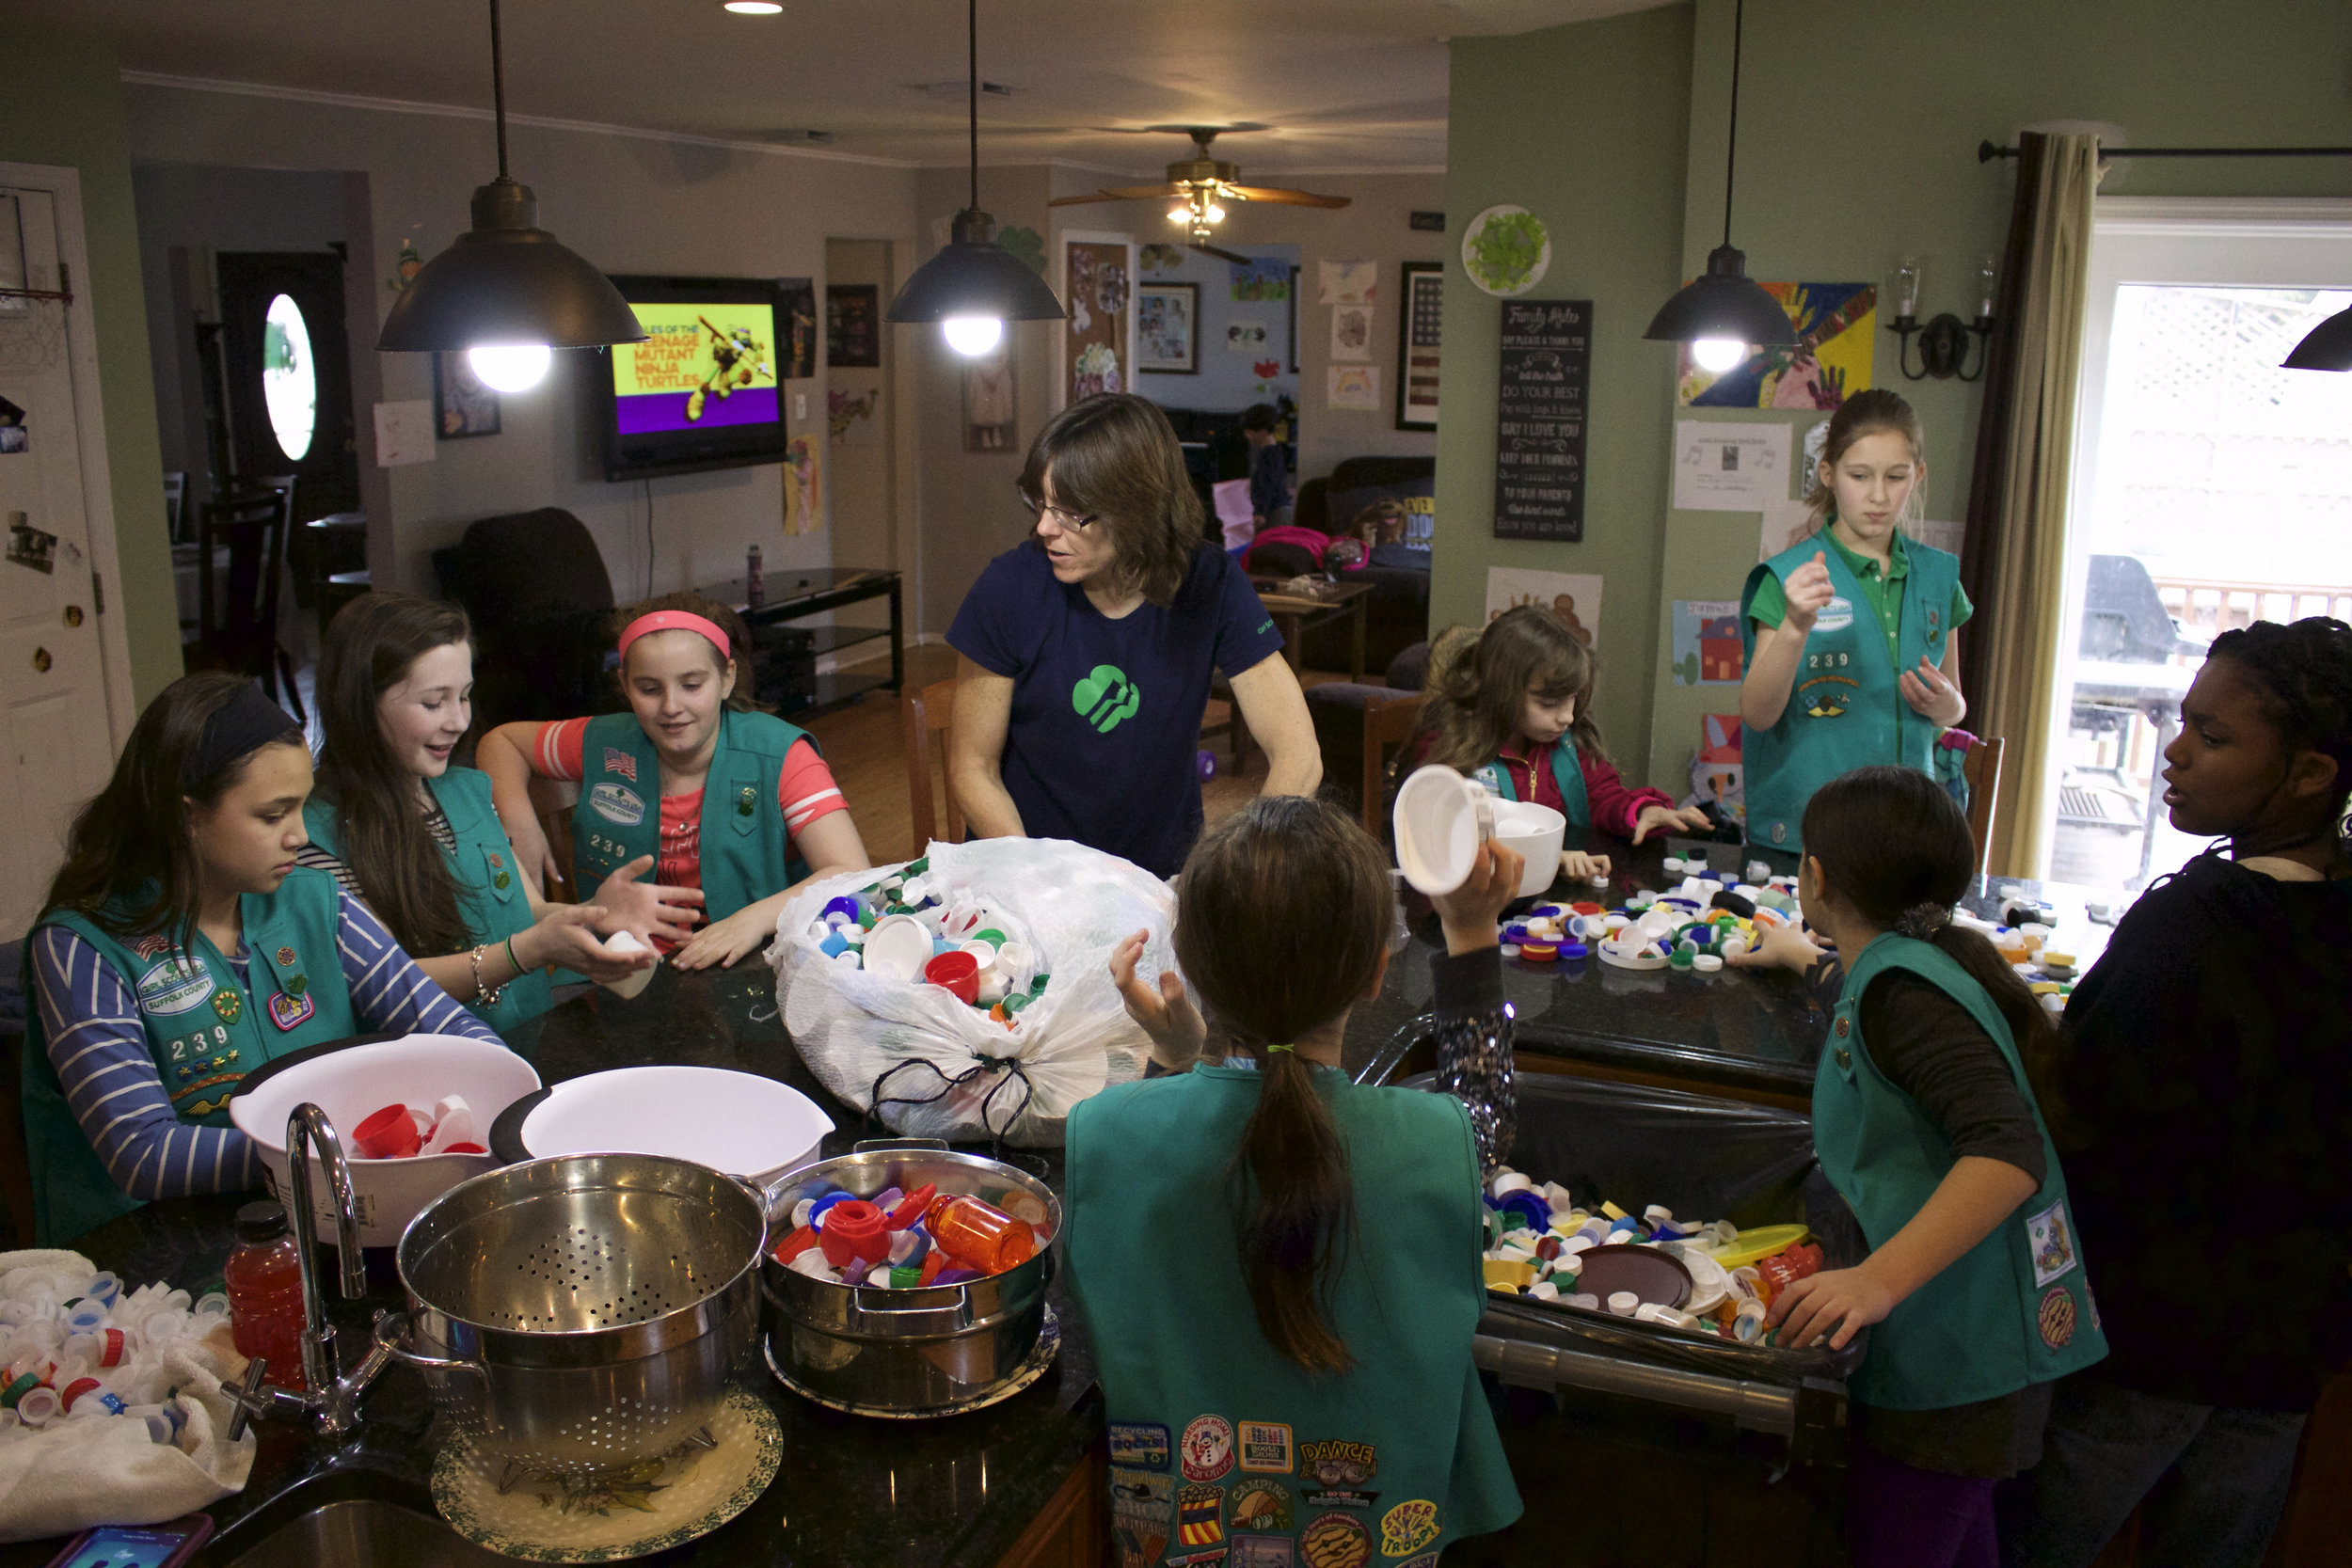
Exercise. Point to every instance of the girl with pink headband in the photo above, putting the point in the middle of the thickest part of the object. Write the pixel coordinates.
(732, 800)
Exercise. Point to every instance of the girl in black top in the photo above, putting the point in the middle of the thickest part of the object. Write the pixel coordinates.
(2209, 1072)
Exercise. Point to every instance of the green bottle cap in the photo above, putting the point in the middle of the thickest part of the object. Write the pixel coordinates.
(916, 866)
(1037, 986)
(905, 1276)
(989, 933)
(1681, 957)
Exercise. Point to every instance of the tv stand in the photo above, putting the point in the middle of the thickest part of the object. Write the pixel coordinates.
(793, 594)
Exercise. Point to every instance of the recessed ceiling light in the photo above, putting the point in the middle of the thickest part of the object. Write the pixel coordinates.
(754, 7)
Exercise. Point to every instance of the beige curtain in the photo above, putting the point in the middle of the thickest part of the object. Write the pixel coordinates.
(2022, 509)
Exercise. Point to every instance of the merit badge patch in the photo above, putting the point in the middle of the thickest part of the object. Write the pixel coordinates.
(1335, 1540)
(289, 1012)
(2056, 1318)
(1143, 1507)
(1199, 1516)
(1266, 1447)
(618, 804)
(228, 1003)
(1207, 1449)
(1409, 1526)
(2050, 1239)
(1196, 1559)
(1426, 1560)
(1337, 1463)
(1140, 1445)
(618, 760)
(1262, 1505)
(1262, 1551)
(174, 986)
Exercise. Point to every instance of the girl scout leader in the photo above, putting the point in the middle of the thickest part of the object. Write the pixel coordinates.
(1851, 636)
(179, 948)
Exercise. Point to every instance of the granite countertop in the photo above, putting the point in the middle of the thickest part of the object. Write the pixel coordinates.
(956, 1491)
(1739, 1029)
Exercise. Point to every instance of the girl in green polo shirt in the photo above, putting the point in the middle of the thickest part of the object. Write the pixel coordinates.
(1927, 1123)
(1851, 635)
(1280, 1266)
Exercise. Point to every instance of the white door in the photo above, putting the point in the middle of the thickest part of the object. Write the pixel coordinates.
(55, 745)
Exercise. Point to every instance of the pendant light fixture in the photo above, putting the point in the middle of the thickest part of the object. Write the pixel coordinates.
(505, 291)
(973, 285)
(1725, 312)
(2325, 347)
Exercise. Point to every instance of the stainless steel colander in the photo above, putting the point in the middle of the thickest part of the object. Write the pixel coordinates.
(585, 1310)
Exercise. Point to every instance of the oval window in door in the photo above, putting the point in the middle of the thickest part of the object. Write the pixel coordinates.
(290, 386)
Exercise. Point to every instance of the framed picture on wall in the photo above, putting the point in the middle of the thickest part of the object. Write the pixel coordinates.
(798, 352)
(853, 326)
(1168, 328)
(989, 410)
(1418, 338)
(462, 406)
(1292, 360)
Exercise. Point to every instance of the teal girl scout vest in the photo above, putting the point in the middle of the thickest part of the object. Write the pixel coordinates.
(746, 853)
(491, 895)
(1845, 710)
(1222, 1452)
(205, 1031)
(2013, 1310)
(1566, 772)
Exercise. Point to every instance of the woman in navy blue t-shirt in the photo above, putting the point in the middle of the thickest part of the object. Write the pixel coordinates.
(1087, 651)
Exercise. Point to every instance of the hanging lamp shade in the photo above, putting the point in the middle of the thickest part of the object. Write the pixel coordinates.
(972, 275)
(507, 281)
(2326, 347)
(1724, 302)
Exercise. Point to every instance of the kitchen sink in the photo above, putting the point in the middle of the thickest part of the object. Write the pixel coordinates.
(348, 1520)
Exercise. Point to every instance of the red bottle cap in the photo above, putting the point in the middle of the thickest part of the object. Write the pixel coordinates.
(796, 1243)
(958, 972)
(854, 1229)
(75, 1389)
(914, 1206)
(390, 1134)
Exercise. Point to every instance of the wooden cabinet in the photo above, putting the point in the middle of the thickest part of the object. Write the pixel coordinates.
(1072, 1529)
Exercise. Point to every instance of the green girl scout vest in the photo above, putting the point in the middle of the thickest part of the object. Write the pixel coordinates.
(491, 895)
(205, 1031)
(1566, 772)
(746, 853)
(2013, 1310)
(1220, 1450)
(1845, 710)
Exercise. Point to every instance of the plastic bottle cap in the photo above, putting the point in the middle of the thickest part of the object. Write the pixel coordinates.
(1539, 952)
(258, 1223)
(1707, 963)
(1624, 1303)
(1509, 949)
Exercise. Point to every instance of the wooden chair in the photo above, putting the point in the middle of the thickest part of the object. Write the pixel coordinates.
(1387, 727)
(926, 713)
(551, 802)
(240, 634)
(1981, 766)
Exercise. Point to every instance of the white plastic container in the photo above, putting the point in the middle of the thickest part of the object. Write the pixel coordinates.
(735, 1122)
(1537, 832)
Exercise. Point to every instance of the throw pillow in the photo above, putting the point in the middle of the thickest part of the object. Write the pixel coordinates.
(1388, 515)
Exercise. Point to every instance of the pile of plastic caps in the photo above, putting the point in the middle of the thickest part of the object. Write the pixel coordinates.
(400, 1132)
(1698, 925)
(1537, 1235)
(2021, 936)
(900, 925)
(905, 1241)
(76, 1348)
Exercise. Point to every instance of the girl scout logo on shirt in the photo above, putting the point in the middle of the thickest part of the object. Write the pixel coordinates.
(288, 1011)
(1836, 615)
(2050, 1239)
(1266, 1447)
(1262, 1505)
(1206, 1449)
(174, 986)
(1141, 1445)
(2056, 1319)
(1105, 697)
(1199, 1516)
(228, 1003)
(1409, 1528)
(1336, 1541)
(617, 803)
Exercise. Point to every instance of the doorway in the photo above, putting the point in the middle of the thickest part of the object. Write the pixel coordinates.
(2212, 489)
(861, 439)
(288, 369)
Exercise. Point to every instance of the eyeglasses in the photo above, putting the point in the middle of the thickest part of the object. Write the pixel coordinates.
(1062, 516)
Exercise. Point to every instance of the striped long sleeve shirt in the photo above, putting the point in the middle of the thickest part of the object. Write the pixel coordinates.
(98, 1044)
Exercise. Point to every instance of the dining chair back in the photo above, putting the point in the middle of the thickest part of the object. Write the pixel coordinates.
(1981, 768)
(238, 630)
(927, 713)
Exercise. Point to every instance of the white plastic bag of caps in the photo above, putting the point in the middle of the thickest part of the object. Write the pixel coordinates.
(1074, 1040)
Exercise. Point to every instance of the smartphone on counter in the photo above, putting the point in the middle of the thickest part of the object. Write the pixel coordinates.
(164, 1546)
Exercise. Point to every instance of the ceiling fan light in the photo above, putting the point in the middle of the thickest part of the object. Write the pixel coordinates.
(1179, 214)
(2325, 347)
(1216, 214)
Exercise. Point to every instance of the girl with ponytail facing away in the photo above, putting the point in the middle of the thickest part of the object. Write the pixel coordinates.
(1280, 1267)
(1926, 1121)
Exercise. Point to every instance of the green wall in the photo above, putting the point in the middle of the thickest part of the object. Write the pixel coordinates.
(1584, 127)
(1858, 131)
(61, 102)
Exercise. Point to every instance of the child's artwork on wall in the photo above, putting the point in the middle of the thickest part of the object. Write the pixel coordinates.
(1356, 387)
(1351, 332)
(1573, 596)
(1245, 337)
(987, 400)
(1707, 649)
(1347, 282)
(1715, 767)
(1729, 468)
(804, 485)
(1835, 324)
(1262, 277)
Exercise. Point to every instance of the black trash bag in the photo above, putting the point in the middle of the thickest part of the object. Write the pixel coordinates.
(1703, 1158)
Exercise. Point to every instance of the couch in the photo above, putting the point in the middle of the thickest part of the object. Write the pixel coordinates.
(1398, 614)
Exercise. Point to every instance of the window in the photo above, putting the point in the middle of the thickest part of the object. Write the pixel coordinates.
(290, 386)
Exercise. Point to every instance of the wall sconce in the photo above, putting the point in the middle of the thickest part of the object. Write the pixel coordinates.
(1944, 342)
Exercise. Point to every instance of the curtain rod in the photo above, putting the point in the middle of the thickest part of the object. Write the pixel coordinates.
(1987, 152)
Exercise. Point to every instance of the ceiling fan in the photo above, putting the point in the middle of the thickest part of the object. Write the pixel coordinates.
(1200, 186)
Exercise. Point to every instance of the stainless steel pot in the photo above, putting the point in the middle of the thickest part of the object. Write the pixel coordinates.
(924, 1350)
(581, 1311)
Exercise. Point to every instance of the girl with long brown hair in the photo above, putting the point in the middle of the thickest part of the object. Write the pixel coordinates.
(1516, 710)
(1290, 1279)
(414, 836)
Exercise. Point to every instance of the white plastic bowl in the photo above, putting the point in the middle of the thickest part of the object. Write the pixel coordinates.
(352, 1083)
(1441, 818)
(1537, 832)
(737, 1122)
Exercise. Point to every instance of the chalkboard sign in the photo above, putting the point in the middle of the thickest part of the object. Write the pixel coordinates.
(1539, 429)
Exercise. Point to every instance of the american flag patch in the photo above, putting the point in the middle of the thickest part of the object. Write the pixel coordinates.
(618, 760)
(151, 944)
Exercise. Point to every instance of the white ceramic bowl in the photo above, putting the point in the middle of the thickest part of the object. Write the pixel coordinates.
(1535, 831)
(352, 1083)
(1441, 818)
(737, 1122)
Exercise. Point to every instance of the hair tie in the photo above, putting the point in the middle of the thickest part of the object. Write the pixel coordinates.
(1272, 1049)
(241, 725)
(1922, 921)
(677, 620)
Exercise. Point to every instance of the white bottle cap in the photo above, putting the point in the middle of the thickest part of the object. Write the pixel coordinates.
(1624, 1303)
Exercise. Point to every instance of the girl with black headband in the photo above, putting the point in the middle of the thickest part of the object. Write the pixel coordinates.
(1926, 1122)
(179, 948)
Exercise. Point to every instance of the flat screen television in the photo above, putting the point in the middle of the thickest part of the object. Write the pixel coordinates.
(702, 390)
